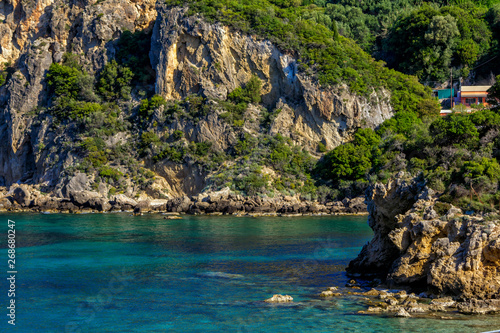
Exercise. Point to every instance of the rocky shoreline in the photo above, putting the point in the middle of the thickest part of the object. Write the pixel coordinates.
(386, 301)
(426, 257)
(19, 198)
(403, 303)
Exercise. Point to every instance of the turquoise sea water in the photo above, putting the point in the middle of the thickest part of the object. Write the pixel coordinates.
(118, 273)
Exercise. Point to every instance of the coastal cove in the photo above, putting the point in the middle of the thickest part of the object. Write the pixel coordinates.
(101, 272)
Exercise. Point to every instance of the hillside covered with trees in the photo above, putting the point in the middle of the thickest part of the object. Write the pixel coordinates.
(458, 154)
(105, 117)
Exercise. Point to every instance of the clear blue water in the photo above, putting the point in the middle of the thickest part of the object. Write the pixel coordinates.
(118, 273)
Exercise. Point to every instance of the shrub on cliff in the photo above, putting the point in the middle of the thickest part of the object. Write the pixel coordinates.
(173, 153)
(92, 144)
(148, 106)
(250, 93)
(484, 167)
(114, 82)
(351, 161)
(252, 183)
(63, 80)
(110, 173)
(147, 139)
(347, 162)
(238, 100)
(457, 128)
(3, 78)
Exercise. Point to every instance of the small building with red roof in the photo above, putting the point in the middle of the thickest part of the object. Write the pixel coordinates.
(470, 95)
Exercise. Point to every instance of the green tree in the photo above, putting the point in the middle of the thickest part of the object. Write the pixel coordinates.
(177, 135)
(457, 128)
(114, 82)
(63, 80)
(428, 40)
(249, 94)
(148, 106)
(347, 162)
(488, 167)
(428, 108)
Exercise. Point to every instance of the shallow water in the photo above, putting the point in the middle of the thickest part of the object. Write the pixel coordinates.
(118, 273)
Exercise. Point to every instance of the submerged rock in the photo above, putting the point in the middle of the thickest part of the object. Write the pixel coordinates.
(330, 293)
(172, 217)
(279, 299)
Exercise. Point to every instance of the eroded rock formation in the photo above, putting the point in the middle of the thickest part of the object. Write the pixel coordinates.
(192, 56)
(34, 34)
(447, 252)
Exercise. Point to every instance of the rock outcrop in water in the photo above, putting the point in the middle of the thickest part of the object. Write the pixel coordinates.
(429, 245)
(279, 299)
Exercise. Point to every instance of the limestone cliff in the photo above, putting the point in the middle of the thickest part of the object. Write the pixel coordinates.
(33, 35)
(190, 56)
(425, 244)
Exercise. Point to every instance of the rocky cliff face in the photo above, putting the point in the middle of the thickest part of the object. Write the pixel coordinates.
(189, 55)
(423, 243)
(78, 26)
(33, 35)
(192, 56)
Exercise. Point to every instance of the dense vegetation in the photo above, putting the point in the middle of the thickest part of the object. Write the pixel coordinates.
(298, 28)
(458, 155)
(423, 39)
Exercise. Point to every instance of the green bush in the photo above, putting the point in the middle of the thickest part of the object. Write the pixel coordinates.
(202, 148)
(347, 162)
(63, 80)
(174, 154)
(250, 93)
(196, 107)
(104, 121)
(114, 82)
(441, 208)
(97, 158)
(73, 109)
(253, 183)
(148, 138)
(93, 144)
(245, 145)
(110, 173)
(177, 135)
(73, 90)
(148, 106)
(322, 147)
(488, 167)
(3, 78)
(456, 128)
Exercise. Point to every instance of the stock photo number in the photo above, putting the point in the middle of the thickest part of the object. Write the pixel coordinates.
(11, 271)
